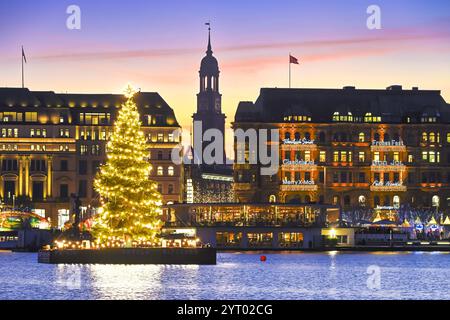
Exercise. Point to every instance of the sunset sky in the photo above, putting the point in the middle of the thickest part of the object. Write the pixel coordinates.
(158, 45)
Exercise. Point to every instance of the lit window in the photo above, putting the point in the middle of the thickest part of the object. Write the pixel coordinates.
(361, 157)
(424, 156)
(307, 155)
(322, 156)
(160, 137)
(336, 156)
(362, 137)
(171, 171)
(396, 156)
(160, 171)
(376, 156)
(432, 137)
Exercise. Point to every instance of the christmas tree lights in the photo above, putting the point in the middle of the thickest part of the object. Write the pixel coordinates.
(131, 204)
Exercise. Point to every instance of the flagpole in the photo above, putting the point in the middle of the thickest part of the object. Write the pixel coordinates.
(289, 70)
(23, 81)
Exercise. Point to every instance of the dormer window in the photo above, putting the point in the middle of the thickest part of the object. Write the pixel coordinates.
(297, 119)
(370, 118)
(430, 115)
(337, 117)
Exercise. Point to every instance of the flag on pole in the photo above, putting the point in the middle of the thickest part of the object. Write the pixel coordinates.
(23, 56)
(208, 24)
(293, 60)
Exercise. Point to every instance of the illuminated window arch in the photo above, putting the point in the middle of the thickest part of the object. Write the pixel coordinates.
(272, 198)
(396, 202)
(435, 201)
(432, 137)
(171, 171)
(361, 137)
(160, 171)
(424, 137)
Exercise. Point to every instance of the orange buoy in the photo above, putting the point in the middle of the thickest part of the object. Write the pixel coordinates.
(263, 258)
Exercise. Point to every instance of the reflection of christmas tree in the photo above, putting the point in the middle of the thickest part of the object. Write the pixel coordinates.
(131, 203)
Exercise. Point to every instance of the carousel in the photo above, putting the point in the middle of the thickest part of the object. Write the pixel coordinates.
(16, 220)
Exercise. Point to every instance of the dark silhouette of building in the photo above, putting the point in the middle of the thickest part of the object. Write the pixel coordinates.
(208, 183)
(209, 99)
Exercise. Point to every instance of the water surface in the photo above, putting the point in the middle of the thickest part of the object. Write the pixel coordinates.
(236, 276)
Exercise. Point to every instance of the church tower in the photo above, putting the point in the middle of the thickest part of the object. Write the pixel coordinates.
(209, 99)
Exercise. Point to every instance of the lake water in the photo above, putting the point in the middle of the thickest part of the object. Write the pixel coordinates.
(236, 276)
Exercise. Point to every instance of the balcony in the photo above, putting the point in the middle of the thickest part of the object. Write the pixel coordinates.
(298, 145)
(388, 146)
(298, 165)
(384, 166)
(388, 186)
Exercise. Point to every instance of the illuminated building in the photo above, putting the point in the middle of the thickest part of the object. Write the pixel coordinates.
(51, 146)
(350, 147)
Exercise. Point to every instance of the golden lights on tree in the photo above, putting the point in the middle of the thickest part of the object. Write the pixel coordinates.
(131, 204)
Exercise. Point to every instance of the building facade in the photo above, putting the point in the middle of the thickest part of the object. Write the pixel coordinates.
(51, 146)
(349, 147)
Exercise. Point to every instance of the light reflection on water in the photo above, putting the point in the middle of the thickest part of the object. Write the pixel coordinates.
(331, 275)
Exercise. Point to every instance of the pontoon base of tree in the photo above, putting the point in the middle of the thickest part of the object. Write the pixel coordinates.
(179, 256)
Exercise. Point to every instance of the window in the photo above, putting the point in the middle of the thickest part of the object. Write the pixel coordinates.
(160, 155)
(95, 118)
(171, 137)
(95, 150)
(64, 191)
(396, 156)
(272, 198)
(160, 188)
(171, 171)
(82, 189)
(432, 157)
(336, 156)
(82, 167)
(362, 177)
(307, 155)
(448, 137)
(64, 133)
(64, 165)
(424, 137)
(432, 137)
(160, 171)
(376, 156)
(435, 201)
(160, 137)
(410, 158)
(30, 116)
(361, 156)
(322, 156)
(361, 137)
(370, 118)
(83, 150)
(170, 189)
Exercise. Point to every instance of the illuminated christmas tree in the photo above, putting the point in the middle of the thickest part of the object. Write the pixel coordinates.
(130, 201)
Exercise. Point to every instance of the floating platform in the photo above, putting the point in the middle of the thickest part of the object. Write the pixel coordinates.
(180, 256)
